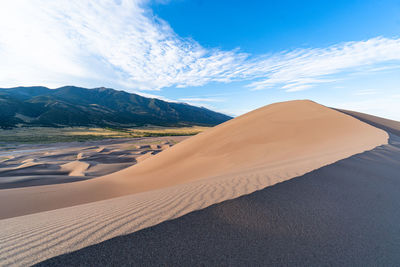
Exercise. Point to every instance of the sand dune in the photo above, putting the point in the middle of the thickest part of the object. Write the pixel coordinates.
(40, 164)
(259, 149)
(75, 168)
(99, 169)
(280, 132)
(282, 138)
(27, 163)
(154, 146)
(343, 214)
(163, 147)
(144, 156)
(80, 156)
(385, 124)
(101, 149)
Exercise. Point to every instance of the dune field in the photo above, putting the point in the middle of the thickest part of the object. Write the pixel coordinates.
(261, 148)
(33, 165)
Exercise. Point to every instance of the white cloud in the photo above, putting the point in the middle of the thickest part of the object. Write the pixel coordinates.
(366, 92)
(303, 68)
(155, 96)
(199, 99)
(102, 40)
(121, 43)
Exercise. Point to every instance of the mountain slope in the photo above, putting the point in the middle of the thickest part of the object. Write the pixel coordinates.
(75, 106)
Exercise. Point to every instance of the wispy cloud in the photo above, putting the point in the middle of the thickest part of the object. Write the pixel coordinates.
(303, 68)
(204, 99)
(366, 92)
(121, 43)
(155, 96)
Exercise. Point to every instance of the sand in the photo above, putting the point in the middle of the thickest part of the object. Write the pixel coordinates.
(284, 139)
(344, 214)
(385, 124)
(75, 168)
(33, 165)
(259, 149)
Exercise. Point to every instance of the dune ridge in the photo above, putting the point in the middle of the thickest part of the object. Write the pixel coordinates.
(259, 149)
(385, 124)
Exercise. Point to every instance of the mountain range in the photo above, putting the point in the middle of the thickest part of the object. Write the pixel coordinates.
(102, 107)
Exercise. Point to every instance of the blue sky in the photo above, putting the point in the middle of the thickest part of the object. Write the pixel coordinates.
(261, 26)
(230, 56)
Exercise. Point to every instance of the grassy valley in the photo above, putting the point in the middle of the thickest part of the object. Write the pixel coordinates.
(35, 135)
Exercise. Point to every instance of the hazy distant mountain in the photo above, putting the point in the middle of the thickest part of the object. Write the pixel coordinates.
(75, 106)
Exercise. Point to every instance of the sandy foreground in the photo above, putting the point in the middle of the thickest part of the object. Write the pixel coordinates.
(261, 148)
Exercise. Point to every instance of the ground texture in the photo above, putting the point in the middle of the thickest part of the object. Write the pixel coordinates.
(347, 213)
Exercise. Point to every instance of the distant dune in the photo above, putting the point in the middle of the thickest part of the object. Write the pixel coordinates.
(388, 125)
(261, 148)
(27, 165)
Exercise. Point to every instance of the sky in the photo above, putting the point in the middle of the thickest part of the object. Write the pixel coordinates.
(229, 56)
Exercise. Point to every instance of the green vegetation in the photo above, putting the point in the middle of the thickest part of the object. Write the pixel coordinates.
(164, 131)
(36, 135)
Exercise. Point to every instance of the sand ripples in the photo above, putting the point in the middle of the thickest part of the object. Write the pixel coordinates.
(32, 238)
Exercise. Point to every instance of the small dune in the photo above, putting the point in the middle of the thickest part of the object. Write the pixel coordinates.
(27, 163)
(101, 149)
(144, 156)
(75, 168)
(163, 147)
(154, 146)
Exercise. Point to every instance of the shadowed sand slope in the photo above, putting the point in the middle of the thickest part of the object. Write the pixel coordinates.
(283, 139)
(344, 214)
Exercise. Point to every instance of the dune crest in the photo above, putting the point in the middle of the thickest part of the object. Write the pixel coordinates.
(385, 124)
(281, 132)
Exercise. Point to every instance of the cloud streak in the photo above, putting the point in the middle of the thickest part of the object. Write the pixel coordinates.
(366, 92)
(121, 43)
(303, 68)
(201, 99)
